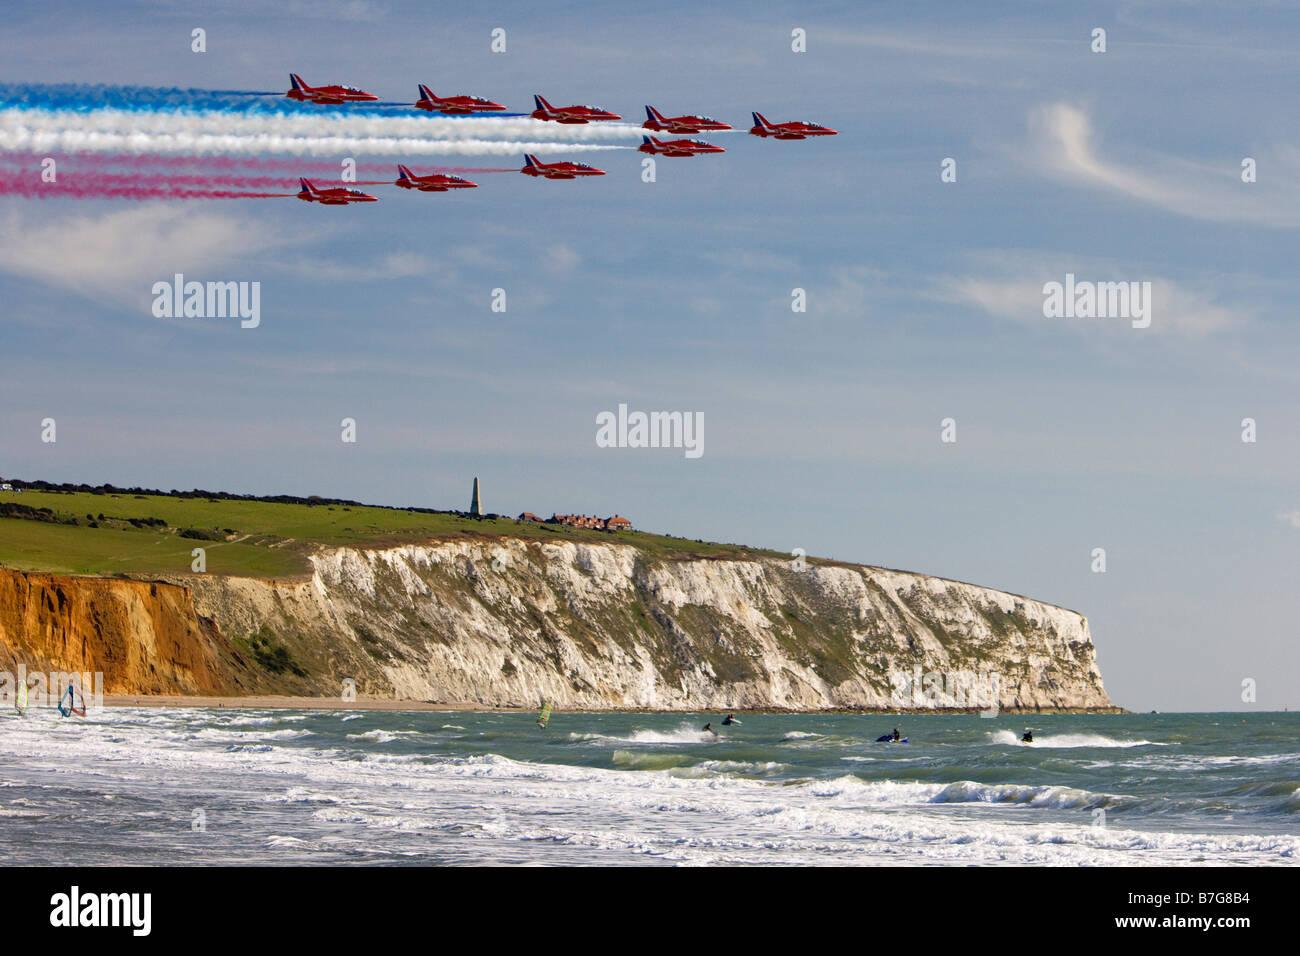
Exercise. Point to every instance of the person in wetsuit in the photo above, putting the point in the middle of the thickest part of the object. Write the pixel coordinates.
(1028, 737)
(897, 735)
(709, 728)
(731, 719)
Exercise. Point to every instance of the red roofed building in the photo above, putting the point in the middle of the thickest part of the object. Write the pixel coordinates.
(615, 523)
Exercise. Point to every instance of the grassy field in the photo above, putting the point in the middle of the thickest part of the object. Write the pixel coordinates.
(255, 538)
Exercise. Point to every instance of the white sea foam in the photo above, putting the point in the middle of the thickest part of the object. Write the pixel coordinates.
(1066, 740)
(345, 804)
(684, 734)
(384, 736)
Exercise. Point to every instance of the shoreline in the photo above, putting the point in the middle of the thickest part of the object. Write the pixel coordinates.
(276, 702)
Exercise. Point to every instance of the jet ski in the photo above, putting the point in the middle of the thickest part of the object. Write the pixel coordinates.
(889, 739)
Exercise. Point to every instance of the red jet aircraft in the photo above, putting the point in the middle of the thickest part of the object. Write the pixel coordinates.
(794, 130)
(433, 183)
(326, 95)
(679, 124)
(571, 115)
(452, 105)
(339, 196)
(563, 170)
(677, 147)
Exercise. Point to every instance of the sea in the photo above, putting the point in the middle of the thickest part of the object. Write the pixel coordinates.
(128, 786)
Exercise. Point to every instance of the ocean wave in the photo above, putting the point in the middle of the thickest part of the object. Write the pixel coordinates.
(1061, 798)
(19, 812)
(1066, 740)
(1292, 802)
(683, 734)
(215, 734)
(741, 768)
(384, 736)
(302, 795)
(563, 799)
(640, 760)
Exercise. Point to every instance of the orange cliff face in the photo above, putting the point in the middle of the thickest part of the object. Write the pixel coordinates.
(144, 636)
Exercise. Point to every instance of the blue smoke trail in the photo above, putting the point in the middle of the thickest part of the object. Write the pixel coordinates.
(83, 97)
(87, 96)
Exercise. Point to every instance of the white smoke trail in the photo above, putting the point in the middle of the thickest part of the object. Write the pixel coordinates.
(210, 122)
(76, 141)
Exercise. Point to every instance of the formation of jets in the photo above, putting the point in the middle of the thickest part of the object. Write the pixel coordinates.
(464, 105)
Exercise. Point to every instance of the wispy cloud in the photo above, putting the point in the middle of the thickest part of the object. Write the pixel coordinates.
(118, 255)
(1064, 145)
(1291, 517)
(1009, 285)
(394, 265)
(560, 259)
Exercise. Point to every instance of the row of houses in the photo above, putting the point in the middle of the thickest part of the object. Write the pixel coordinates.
(616, 523)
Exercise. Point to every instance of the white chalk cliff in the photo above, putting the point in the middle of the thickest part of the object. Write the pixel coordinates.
(508, 621)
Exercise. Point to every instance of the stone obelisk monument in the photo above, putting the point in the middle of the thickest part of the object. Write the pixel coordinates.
(476, 503)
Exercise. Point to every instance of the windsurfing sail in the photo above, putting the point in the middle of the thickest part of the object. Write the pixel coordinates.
(544, 717)
(72, 702)
(20, 703)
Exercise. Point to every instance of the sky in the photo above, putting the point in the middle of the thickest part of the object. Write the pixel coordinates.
(822, 428)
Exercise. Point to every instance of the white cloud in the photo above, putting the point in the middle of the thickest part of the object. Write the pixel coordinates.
(394, 265)
(1064, 145)
(561, 258)
(118, 256)
(350, 11)
(1291, 517)
(397, 265)
(1009, 285)
(751, 260)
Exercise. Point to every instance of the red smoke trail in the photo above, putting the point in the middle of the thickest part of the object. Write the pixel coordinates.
(31, 187)
(80, 180)
(228, 163)
(91, 161)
